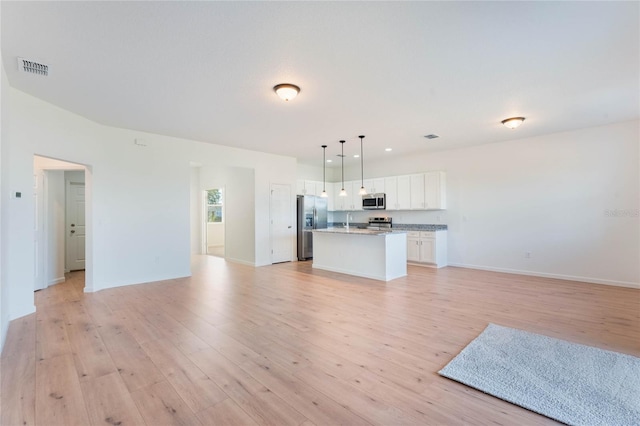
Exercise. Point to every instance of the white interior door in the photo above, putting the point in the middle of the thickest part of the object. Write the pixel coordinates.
(75, 226)
(281, 224)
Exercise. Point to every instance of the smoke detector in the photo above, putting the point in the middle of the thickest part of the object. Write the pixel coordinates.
(32, 67)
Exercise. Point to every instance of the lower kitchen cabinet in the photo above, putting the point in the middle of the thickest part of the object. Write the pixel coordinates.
(427, 247)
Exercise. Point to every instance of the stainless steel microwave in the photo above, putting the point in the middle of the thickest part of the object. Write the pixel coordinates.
(374, 202)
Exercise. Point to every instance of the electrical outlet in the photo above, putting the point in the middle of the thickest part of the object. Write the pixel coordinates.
(527, 255)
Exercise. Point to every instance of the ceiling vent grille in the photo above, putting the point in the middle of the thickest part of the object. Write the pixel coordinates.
(32, 67)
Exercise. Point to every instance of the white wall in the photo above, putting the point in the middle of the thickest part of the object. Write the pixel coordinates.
(308, 172)
(241, 242)
(215, 234)
(571, 199)
(239, 208)
(55, 226)
(132, 193)
(4, 198)
(196, 211)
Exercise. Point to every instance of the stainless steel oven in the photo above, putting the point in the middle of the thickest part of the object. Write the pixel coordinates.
(374, 202)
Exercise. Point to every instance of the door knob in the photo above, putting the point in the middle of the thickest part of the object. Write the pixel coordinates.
(72, 231)
(73, 224)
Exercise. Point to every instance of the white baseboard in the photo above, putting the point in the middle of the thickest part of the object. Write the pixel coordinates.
(151, 280)
(545, 275)
(56, 281)
(242, 262)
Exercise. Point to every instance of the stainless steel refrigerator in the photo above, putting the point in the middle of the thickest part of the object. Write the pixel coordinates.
(312, 214)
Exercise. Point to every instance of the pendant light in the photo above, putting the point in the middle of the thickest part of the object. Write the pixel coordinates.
(343, 193)
(324, 167)
(362, 190)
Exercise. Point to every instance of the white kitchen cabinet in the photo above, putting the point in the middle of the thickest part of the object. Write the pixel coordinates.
(300, 187)
(355, 199)
(374, 186)
(346, 203)
(435, 191)
(330, 200)
(421, 191)
(416, 199)
(308, 187)
(339, 203)
(404, 193)
(398, 190)
(391, 190)
(312, 187)
(413, 246)
(427, 247)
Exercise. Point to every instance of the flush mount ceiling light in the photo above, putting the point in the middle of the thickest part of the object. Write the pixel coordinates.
(513, 122)
(287, 91)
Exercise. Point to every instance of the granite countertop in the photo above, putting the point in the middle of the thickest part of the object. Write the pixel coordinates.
(397, 226)
(419, 227)
(359, 231)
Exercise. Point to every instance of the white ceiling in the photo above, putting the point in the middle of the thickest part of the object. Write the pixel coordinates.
(393, 71)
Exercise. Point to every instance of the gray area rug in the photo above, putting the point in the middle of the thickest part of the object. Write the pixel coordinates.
(575, 384)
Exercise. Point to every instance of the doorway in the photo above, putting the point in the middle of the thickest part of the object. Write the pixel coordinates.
(74, 222)
(214, 225)
(60, 201)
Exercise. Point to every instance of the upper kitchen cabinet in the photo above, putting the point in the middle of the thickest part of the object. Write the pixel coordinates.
(428, 191)
(391, 190)
(353, 200)
(435, 192)
(403, 192)
(398, 190)
(374, 186)
(339, 203)
(420, 191)
(417, 192)
(308, 187)
(300, 187)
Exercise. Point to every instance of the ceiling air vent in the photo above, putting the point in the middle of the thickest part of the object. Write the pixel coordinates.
(432, 136)
(33, 67)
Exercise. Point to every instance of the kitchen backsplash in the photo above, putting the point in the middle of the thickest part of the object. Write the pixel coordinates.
(418, 217)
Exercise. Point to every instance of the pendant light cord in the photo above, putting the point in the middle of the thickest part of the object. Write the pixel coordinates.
(342, 143)
(324, 166)
(361, 162)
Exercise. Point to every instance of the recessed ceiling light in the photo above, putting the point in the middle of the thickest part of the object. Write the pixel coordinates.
(329, 161)
(356, 155)
(432, 136)
(388, 149)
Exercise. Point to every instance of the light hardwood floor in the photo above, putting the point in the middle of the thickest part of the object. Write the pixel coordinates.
(287, 345)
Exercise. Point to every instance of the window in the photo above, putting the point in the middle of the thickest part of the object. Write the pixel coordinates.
(214, 205)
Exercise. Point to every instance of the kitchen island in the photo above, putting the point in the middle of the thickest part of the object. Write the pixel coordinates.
(380, 255)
